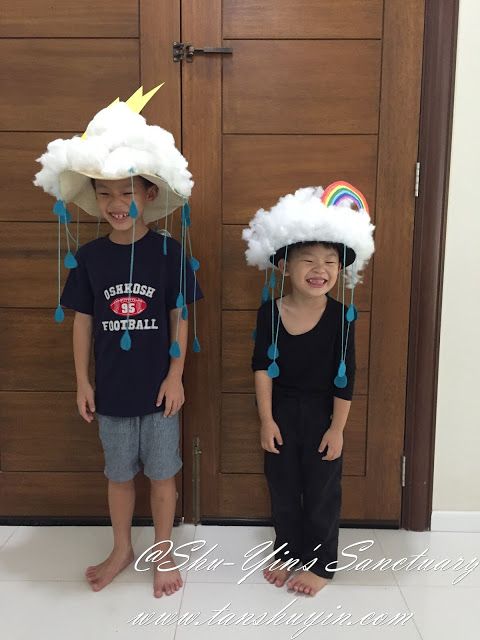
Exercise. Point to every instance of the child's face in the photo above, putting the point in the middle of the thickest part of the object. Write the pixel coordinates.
(313, 270)
(115, 196)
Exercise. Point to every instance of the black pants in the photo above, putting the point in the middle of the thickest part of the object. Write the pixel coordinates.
(305, 490)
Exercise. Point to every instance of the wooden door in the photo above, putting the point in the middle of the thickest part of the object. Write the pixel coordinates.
(314, 91)
(60, 62)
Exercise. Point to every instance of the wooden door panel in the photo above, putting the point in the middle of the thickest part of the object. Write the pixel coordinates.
(302, 19)
(265, 88)
(280, 164)
(18, 152)
(301, 105)
(238, 345)
(69, 19)
(240, 451)
(43, 432)
(242, 285)
(24, 286)
(99, 70)
(36, 351)
(75, 494)
(246, 496)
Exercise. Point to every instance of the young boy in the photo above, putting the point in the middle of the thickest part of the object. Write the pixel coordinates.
(127, 283)
(304, 405)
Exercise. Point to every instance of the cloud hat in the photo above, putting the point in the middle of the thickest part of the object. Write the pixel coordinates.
(303, 217)
(117, 144)
(312, 214)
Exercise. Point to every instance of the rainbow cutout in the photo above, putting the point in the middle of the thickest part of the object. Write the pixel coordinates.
(340, 191)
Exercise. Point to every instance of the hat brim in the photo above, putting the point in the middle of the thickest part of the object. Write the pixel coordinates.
(350, 255)
(77, 187)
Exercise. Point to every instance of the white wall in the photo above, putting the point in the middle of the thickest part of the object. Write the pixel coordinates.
(457, 445)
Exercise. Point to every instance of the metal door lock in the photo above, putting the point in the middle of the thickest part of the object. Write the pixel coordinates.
(184, 51)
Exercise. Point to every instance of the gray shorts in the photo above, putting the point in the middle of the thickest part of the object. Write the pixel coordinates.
(152, 440)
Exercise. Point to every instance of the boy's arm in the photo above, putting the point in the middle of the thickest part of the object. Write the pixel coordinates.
(172, 387)
(82, 344)
(269, 431)
(177, 364)
(341, 409)
(263, 392)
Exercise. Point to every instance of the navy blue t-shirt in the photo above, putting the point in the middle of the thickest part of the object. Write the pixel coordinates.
(308, 362)
(127, 382)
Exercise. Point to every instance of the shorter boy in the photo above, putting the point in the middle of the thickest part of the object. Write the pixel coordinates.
(304, 379)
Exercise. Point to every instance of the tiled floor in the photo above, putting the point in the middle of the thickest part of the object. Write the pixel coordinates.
(43, 593)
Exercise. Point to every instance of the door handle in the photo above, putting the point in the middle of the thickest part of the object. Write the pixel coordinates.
(184, 51)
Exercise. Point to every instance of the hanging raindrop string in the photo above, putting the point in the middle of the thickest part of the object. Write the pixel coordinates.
(59, 313)
(77, 241)
(166, 225)
(69, 261)
(126, 341)
(98, 225)
(341, 377)
(195, 264)
(175, 351)
(273, 370)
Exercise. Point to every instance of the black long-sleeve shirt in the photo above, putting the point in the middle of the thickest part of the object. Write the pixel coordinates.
(308, 362)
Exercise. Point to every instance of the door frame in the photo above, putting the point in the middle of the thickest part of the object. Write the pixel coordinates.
(438, 83)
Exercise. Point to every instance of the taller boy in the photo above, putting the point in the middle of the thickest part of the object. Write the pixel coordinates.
(129, 290)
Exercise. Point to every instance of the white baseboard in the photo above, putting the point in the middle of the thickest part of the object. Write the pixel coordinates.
(468, 521)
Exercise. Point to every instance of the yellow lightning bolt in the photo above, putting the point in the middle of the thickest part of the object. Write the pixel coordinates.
(136, 102)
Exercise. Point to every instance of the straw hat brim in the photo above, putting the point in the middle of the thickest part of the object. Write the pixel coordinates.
(77, 187)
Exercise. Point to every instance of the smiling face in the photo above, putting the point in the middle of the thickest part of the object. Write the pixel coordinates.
(313, 269)
(115, 196)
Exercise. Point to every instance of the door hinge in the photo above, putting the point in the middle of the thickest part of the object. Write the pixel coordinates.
(183, 51)
(404, 465)
(417, 179)
(197, 452)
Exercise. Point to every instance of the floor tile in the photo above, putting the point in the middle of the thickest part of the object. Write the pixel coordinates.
(5, 533)
(462, 549)
(241, 601)
(443, 613)
(59, 610)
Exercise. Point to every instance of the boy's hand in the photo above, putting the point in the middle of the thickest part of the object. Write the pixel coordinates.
(333, 438)
(269, 432)
(172, 390)
(86, 401)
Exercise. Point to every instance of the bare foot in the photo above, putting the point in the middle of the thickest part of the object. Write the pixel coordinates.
(102, 574)
(167, 582)
(306, 582)
(278, 576)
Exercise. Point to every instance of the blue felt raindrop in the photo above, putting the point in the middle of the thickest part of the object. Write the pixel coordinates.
(265, 293)
(133, 211)
(59, 314)
(340, 382)
(70, 261)
(272, 351)
(273, 371)
(165, 245)
(352, 313)
(175, 350)
(126, 341)
(254, 334)
(196, 345)
(59, 208)
(180, 301)
(342, 369)
(184, 313)
(195, 264)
